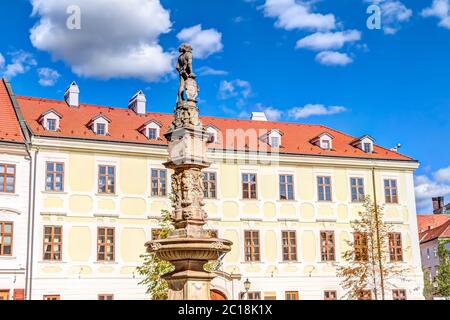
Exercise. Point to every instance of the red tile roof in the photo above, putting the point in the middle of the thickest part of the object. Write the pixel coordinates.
(430, 221)
(9, 125)
(125, 124)
(443, 231)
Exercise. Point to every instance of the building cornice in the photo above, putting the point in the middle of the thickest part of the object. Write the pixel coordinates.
(233, 156)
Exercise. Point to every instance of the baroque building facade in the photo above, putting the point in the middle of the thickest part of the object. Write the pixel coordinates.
(283, 193)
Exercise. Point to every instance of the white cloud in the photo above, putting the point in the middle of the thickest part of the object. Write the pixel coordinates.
(117, 39)
(238, 19)
(441, 10)
(442, 175)
(393, 13)
(426, 188)
(292, 14)
(2, 61)
(272, 114)
(204, 42)
(208, 71)
(328, 40)
(48, 77)
(314, 110)
(235, 88)
(21, 62)
(333, 58)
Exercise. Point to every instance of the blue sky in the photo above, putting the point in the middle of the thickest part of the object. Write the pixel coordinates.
(300, 61)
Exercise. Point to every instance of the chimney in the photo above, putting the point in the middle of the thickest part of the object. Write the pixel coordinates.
(438, 204)
(258, 116)
(138, 103)
(72, 95)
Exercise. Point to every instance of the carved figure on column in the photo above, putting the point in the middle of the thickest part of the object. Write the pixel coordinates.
(187, 85)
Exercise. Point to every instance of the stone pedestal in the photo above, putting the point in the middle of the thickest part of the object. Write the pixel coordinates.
(189, 247)
(189, 280)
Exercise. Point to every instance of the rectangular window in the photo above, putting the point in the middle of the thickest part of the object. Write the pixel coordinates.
(107, 179)
(105, 297)
(289, 241)
(4, 295)
(399, 294)
(210, 185)
(357, 189)
(252, 295)
(365, 295)
(7, 178)
(395, 247)
(52, 297)
(101, 129)
(19, 294)
(327, 247)
(286, 187)
(367, 147)
(390, 190)
(152, 133)
(105, 244)
(291, 295)
(249, 186)
(361, 246)
(51, 124)
(326, 145)
(324, 188)
(53, 243)
(275, 142)
(6, 238)
(330, 295)
(54, 177)
(159, 182)
(251, 245)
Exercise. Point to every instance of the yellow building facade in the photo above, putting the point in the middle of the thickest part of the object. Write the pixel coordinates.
(96, 205)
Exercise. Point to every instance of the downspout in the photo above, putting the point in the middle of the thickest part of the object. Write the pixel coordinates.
(31, 225)
(30, 200)
(377, 226)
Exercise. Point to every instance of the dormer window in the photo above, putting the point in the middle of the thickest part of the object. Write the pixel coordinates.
(326, 144)
(324, 141)
(367, 147)
(100, 125)
(51, 124)
(101, 129)
(365, 143)
(50, 120)
(152, 134)
(151, 129)
(274, 138)
(275, 142)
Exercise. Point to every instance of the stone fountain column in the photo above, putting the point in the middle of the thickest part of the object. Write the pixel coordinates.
(189, 247)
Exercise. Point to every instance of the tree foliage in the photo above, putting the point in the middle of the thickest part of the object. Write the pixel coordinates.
(367, 265)
(153, 268)
(443, 270)
(428, 290)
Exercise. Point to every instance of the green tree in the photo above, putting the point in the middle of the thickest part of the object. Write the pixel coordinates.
(428, 290)
(367, 263)
(153, 268)
(443, 271)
